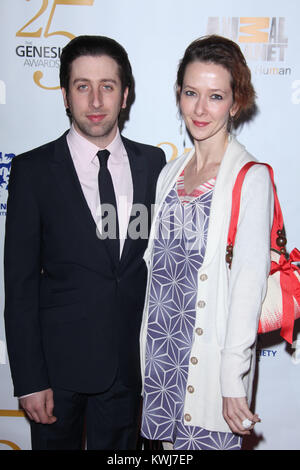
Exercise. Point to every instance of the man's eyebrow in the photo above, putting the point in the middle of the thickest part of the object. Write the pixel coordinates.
(103, 80)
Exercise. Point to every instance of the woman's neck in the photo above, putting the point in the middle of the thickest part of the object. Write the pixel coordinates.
(209, 152)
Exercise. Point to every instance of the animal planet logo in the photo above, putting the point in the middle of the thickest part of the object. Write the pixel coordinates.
(43, 55)
(260, 38)
(5, 166)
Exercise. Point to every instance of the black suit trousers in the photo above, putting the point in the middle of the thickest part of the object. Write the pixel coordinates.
(104, 421)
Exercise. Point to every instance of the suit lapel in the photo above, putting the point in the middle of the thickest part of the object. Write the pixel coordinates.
(66, 177)
(139, 176)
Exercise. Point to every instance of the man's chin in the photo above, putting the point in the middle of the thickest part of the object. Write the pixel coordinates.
(96, 132)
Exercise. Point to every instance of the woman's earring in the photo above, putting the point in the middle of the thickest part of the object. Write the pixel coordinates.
(230, 124)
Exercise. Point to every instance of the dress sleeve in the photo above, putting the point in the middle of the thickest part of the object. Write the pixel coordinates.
(247, 279)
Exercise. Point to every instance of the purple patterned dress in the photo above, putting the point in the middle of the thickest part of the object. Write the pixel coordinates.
(179, 250)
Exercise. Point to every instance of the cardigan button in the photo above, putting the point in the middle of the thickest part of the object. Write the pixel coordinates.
(187, 417)
(194, 360)
(201, 304)
(199, 331)
(190, 389)
(203, 277)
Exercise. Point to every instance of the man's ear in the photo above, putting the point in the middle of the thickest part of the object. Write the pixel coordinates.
(178, 92)
(125, 96)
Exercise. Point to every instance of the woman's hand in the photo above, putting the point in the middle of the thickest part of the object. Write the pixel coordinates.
(235, 411)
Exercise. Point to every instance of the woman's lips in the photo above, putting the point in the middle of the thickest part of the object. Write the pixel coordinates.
(200, 123)
(96, 117)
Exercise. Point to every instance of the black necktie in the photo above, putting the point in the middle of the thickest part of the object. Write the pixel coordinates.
(110, 226)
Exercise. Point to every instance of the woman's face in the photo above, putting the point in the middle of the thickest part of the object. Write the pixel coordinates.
(206, 100)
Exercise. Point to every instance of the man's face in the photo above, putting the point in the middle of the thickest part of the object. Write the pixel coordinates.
(95, 98)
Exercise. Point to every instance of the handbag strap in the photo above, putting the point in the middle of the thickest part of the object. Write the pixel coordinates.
(277, 227)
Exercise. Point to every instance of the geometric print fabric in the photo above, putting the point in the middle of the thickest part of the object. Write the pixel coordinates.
(179, 249)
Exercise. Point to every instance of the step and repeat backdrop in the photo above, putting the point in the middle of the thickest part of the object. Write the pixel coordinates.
(155, 34)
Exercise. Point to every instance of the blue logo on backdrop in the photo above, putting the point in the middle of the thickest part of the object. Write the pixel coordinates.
(5, 165)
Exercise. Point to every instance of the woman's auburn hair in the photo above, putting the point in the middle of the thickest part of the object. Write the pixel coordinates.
(221, 51)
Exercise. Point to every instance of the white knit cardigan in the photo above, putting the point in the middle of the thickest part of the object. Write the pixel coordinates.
(228, 304)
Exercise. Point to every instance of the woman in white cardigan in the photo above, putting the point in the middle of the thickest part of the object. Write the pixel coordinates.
(200, 319)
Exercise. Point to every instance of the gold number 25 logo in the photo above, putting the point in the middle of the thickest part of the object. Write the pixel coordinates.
(38, 75)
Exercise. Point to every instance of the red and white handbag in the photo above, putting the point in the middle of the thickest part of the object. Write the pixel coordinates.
(281, 306)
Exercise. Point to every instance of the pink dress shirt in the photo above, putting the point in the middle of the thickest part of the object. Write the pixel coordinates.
(84, 155)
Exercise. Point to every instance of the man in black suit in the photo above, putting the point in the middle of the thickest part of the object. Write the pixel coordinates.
(74, 284)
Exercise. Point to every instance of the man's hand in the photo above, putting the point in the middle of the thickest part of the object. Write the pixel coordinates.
(39, 406)
(235, 411)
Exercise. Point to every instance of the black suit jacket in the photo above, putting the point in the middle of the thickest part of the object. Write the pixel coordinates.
(72, 315)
